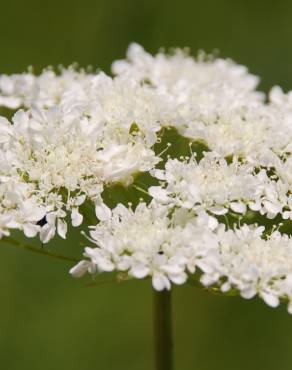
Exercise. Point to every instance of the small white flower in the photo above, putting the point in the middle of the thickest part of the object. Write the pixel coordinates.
(62, 228)
(81, 268)
(47, 232)
(76, 217)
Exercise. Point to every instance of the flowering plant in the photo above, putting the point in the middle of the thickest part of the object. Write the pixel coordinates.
(178, 168)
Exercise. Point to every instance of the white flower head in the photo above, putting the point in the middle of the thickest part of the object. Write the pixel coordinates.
(220, 215)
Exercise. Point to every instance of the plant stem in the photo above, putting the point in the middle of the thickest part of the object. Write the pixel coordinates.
(162, 330)
(16, 243)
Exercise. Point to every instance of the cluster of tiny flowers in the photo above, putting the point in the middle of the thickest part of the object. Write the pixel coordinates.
(220, 216)
(215, 186)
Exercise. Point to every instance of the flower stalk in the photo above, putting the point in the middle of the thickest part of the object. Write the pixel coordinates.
(45, 252)
(163, 330)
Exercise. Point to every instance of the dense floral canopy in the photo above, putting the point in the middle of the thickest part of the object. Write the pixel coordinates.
(207, 153)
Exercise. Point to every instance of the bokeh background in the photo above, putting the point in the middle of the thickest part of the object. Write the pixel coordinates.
(49, 320)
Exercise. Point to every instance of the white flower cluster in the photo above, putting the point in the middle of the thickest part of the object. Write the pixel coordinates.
(216, 186)
(54, 157)
(74, 134)
(150, 242)
(216, 101)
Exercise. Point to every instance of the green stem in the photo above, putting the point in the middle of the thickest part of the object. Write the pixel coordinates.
(162, 330)
(42, 251)
(141, 189)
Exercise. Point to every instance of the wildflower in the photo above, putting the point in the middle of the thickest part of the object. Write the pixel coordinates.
(219, 215)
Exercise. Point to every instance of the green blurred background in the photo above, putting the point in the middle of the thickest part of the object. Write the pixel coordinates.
(50, 321)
